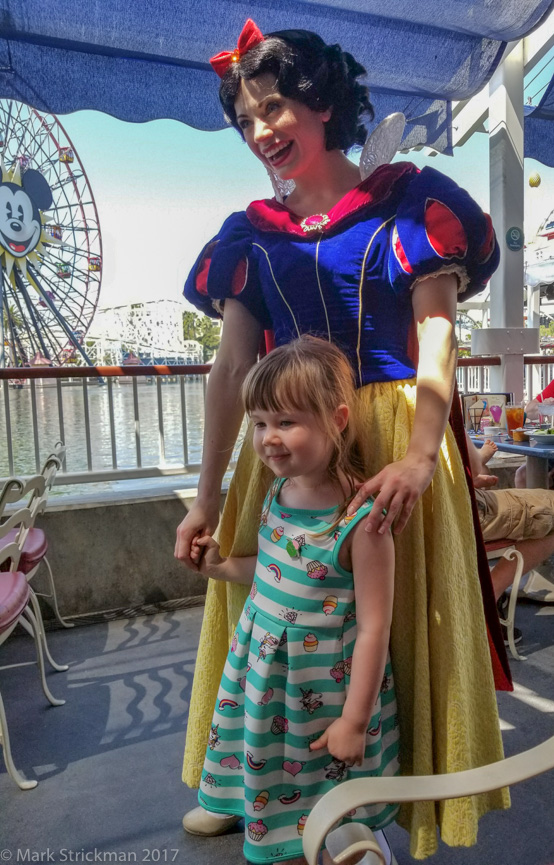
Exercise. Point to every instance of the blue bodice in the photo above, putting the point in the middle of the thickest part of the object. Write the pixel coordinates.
(349, 278)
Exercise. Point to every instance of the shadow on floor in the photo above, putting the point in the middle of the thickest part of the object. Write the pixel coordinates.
(109, 761)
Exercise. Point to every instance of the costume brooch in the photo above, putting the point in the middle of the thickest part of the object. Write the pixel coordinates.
(315, 222)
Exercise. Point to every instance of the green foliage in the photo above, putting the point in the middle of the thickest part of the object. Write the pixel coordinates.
(547, 330)
(205, 330)
(14, 315)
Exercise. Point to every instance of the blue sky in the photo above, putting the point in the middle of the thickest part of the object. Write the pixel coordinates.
(163, 189)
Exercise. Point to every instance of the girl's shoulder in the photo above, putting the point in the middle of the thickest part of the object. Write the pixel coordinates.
(344, 533)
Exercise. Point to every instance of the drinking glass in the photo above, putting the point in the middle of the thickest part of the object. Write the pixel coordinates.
(514, 418)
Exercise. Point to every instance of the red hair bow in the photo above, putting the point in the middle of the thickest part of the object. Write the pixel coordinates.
(250, 37)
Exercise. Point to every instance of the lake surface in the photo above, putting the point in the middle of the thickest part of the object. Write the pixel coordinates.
(74, 427)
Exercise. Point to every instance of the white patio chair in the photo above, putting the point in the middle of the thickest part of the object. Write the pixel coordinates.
(33, 541)
(36, 543)
(369, 791)
(15, 607)
(506, 548)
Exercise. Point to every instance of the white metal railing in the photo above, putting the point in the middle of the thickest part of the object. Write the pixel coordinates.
(473, 379)
(117, 422)
(134, 422)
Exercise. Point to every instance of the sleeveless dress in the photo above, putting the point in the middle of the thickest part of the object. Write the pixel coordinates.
(285, 681)
(347, 276)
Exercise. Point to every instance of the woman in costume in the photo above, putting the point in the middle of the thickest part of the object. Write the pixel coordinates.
(362, 264)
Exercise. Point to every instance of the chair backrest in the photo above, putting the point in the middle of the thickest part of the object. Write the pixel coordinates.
(17, 489)
(36, 488)
(49, 471)
(56, 457)
(20, 520)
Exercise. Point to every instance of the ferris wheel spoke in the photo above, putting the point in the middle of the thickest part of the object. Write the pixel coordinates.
(7, 125)
(57, 289)
(60, 317)
(73, 250)
(40, 332)
(31, 335)
(23, 126)
(14, 334)
(40, 147)
(71, 178)
(32, 312)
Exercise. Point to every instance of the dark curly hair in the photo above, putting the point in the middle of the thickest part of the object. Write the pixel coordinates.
(308, 70)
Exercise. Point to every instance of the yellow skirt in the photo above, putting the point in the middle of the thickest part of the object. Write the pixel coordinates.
(439, 649)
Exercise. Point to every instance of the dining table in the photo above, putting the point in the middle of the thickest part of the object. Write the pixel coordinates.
(537, 458)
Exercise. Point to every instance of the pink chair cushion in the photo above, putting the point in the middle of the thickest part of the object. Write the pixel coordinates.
(14, 595)
(34, 549)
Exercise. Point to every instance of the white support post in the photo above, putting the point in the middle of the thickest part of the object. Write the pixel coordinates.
(506, 202)
(533, 377)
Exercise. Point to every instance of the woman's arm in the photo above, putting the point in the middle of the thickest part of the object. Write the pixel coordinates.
(240, 341)
(345, 738)
(400, 484)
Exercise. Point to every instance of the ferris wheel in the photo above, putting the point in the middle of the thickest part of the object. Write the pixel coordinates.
(50, 242)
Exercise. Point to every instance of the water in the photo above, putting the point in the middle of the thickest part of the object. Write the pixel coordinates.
(74, 424)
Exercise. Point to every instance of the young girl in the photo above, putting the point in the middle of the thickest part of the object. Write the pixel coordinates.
(307, 696)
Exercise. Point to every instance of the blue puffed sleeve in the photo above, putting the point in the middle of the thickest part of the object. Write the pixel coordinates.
(439, 227)
(227, 268)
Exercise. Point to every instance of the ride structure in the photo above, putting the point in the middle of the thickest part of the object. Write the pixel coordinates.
(50, 241)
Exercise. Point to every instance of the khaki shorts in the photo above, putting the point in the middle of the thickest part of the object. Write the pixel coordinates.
(515, 514)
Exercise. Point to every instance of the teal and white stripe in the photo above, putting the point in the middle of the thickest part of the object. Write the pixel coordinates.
(285, 680)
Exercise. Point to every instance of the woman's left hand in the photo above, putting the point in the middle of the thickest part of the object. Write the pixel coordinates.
(396, 488)
(344, 740)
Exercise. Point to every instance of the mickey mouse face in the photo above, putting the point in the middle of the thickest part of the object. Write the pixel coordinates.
(20, 206)
(19, 228)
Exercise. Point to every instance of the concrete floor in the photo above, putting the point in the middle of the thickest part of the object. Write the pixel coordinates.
(108, 762)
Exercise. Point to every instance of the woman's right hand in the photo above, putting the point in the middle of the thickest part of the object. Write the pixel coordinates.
(201, 520)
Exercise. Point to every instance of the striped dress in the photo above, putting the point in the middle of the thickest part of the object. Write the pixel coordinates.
(285, 681)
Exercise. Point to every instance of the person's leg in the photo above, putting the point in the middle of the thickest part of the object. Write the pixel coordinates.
(520, 478)
(524, 516)
(534, 552)
(487, 452)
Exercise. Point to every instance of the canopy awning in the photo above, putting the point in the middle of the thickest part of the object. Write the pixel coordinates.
(140, 61)
(539, 129)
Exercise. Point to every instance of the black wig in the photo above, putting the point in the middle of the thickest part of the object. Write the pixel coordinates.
(308, 70)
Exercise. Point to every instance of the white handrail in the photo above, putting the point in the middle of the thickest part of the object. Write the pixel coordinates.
(421, 788)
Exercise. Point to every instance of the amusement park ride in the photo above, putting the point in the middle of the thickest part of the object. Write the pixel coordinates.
(50, 242)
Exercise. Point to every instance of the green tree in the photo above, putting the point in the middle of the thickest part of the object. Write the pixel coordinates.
(15, 316)
(189, 324)
(205, 330)
(547, 330)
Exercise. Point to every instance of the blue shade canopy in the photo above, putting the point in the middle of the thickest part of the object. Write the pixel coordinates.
(140, 61)
(539, 129)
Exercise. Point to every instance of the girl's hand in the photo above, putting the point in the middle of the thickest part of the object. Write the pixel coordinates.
(344, 740)
(397, 488)
(204, 553)
(201, 520)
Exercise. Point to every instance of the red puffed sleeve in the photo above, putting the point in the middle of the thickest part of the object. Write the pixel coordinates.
(439, 228)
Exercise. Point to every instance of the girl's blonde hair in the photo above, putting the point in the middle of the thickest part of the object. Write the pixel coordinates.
(312, 375)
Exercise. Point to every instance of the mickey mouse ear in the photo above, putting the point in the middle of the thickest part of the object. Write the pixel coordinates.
(37, 188)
